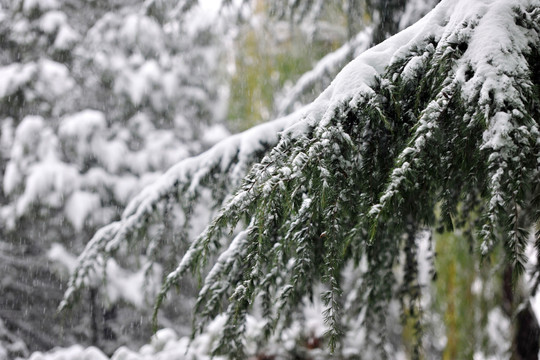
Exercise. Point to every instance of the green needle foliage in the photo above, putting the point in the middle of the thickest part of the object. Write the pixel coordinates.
(448, 128)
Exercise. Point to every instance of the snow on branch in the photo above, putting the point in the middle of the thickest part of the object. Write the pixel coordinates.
(235, 154)
(229, 160)
(329, 66)
(442, 115)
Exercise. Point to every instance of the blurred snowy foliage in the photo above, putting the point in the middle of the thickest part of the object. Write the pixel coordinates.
(355, 177)
(302, 339)
(11, 346)
(97, 99)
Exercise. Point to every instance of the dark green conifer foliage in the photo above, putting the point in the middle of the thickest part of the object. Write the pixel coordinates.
(414, 150)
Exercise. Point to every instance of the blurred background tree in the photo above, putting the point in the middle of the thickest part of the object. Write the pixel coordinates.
(96, 100)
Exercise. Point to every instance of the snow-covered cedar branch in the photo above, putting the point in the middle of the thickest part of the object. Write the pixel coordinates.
(438, 125)
(329, 66)
(222, 168)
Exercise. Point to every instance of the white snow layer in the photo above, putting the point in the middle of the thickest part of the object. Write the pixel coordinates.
(167, 345)
(27, 135)
(121, 284)
(142, 32)
(235, 153)
(71, 353)
(49, 182)
(14, 76)
(82, 124)
(493, 34)
(66, 38)
(52, 21)
(51, 78)
(54, 80)
(79, 205)
(240, 148)
(237, 147)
